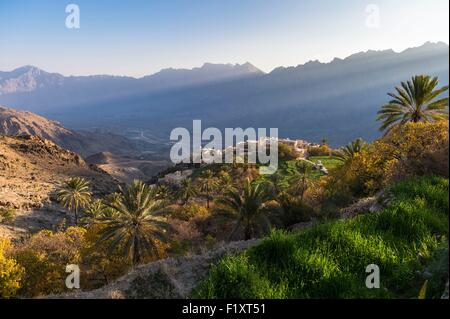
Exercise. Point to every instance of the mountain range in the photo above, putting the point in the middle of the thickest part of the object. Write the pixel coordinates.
(336, 100)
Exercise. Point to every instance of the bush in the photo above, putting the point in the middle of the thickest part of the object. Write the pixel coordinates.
(290, 210)
(322, 150)
(44, 258)
(189, 211)
(11, 273)
(329, 260)
(409, 150)
(285, 152)
(419, 149)
(185, 237)
(7, 214)
(100, 267)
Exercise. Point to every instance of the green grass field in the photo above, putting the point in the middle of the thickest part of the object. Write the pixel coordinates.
(329, 260)
(328, 162)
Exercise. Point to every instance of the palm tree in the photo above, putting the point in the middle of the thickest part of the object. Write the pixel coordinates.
(225, 180)
(186, 191)
(207, 184)
(415, 101)
(96, 210)
(347, 153)
(275, 183)
(248, 207)
(136, 224)
(299, 179)
(74, 195)
(115, 197)
(93, 211)
(163, 192)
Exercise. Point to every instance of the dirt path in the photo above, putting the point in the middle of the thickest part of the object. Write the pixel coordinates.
(167, 278)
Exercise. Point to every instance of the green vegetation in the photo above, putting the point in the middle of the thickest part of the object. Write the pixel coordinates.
(136, 226)
(208, 183)
(76, 194)
(347, 153)
(11, 273)
(247, 207)
(329, 260)
(187, 190)
(7, 214)
(414, 101)
(328, 161)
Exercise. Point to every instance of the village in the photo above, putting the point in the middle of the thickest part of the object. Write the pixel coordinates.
(241, 152)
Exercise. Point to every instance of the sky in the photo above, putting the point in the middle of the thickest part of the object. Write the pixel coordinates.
(141, 37)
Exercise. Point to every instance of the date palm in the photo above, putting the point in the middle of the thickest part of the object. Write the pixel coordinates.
(275, 184)
(187, 190)
(225, 180)
(414, 101)
(74, 195)
(96, 210)
(346, 153)
(300, 179)
(162, 192)
(208, 183)
(248, 207)
(136, 225)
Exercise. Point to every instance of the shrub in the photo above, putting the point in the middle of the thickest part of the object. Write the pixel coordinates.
(189, 211)
(7, 214)
(44, 258)
(290, 210)
(322, 150)
(285, 152)
(411, 149)
(185, 236)
(11, 273)
(99, 267)
(419, 149)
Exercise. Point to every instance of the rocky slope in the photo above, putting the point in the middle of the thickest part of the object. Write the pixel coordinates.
(32, 169)
(15, 122)
(126, 169)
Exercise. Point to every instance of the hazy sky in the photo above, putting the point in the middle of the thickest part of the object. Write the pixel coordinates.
(138, 37)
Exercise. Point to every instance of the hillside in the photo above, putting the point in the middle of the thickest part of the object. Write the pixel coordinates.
(31, 170)
(406, 240)
(16, 122)
(126, 169)
(314, 262)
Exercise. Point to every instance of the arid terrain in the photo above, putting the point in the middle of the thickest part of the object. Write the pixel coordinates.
(31, 170)
(86, 143)
(126, 169)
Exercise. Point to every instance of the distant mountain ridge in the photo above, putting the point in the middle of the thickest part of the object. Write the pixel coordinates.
(30, 78)
(27, 79)
(336, 100)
